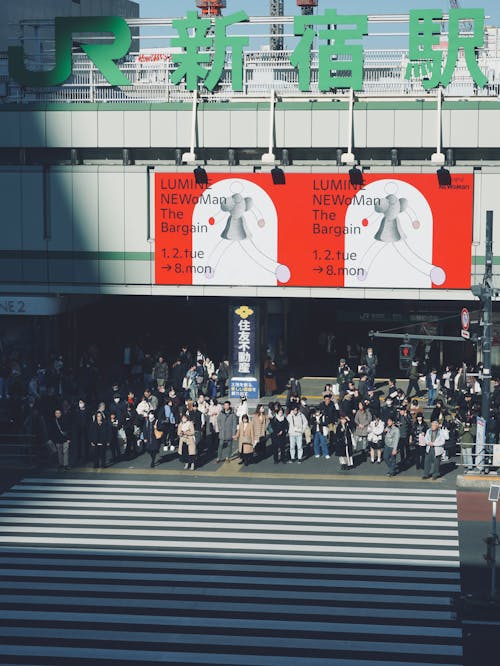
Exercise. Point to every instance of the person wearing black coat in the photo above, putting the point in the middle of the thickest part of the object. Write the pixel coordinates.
(57, 432)
(114, 444)
(151, 436)
(278, 428)
(343, 447)
(81, 424)
(99, 435)
(330, 414)
(131, 430)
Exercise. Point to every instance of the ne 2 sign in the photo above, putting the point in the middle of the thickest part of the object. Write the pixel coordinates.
(315, 230)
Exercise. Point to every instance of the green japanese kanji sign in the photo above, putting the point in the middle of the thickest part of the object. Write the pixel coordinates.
(201, 48)
(340, 65)
(429, 61)
(330, 42)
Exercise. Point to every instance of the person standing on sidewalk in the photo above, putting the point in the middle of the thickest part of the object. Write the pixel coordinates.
(245, 436)
(434, 449)
(405, 426)
(391, 439)
(297, 424)
(99, 440)
(413, 380)
(343, 443)
(57, 431)
(227, 422)
(278, 427)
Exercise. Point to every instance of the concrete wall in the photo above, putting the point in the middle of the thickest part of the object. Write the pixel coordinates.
(90, 229)
(384, 125)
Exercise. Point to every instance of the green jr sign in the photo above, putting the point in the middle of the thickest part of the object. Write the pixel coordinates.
(102, 55)
(203, 45)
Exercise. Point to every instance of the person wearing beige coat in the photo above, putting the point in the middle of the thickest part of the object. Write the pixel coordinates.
(187, 442)
(245, 436)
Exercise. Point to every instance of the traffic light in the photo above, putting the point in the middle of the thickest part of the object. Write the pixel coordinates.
(405, 356)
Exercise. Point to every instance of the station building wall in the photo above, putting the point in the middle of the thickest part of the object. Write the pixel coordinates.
(89, 228)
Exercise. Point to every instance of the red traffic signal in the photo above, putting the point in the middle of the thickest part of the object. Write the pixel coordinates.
(405, 356)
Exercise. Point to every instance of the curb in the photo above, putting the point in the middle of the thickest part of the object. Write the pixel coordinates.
(477, 481)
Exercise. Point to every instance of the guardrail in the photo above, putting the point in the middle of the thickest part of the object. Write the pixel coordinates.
(263, 72)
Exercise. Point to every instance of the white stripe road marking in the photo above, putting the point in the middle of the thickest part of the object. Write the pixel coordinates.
(228, 622)
(244, 509)
(243, 640)
(142, 656)
(241, 536)
(224, 494)
(242, 593)
(180, 499)
(250, 568)
(425, 563)
(434, 492)
(263, 527)
(229, 606)
(109, 514)
(230, 546)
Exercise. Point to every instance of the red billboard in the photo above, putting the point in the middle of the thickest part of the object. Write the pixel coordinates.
(314, 230)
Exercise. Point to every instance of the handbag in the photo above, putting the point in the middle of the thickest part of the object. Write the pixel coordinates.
(51, 446)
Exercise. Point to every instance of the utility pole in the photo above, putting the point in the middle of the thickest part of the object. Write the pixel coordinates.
(486, 292)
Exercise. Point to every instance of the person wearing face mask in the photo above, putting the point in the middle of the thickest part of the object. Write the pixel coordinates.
(296, 428)
(418, 438)
(81, 425)
(319, 430)
(245, 437)
(227, 422)
(434, 449)
(99, 439)
(187, 443)
(375, 439)
(118, 406)
(242, 407)
(114, 444)
(344, 376)
(278, 428)
(152, 436)
(260, 423)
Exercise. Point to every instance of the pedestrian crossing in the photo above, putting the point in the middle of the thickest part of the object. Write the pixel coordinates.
(108, 571)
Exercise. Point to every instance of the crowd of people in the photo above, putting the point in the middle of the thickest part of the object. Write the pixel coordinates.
(182, 413)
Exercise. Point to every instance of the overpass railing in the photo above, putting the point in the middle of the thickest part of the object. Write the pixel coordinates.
(263, 72)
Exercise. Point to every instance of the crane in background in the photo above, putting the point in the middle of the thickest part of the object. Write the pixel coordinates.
(276, 9)
(465, 26)
(307, 6)
(211, 7)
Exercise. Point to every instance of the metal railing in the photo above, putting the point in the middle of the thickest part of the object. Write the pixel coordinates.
(263, 72)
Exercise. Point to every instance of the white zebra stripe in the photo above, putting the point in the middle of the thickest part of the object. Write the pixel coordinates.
(251, 568)
(242, 641)
(304, 624)
(101, 654)
(252, 501)
(17, 524)
(53, 600)
(241, 486)
(111, 562)
(110, 514)
(421, 562)
(197, 508)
